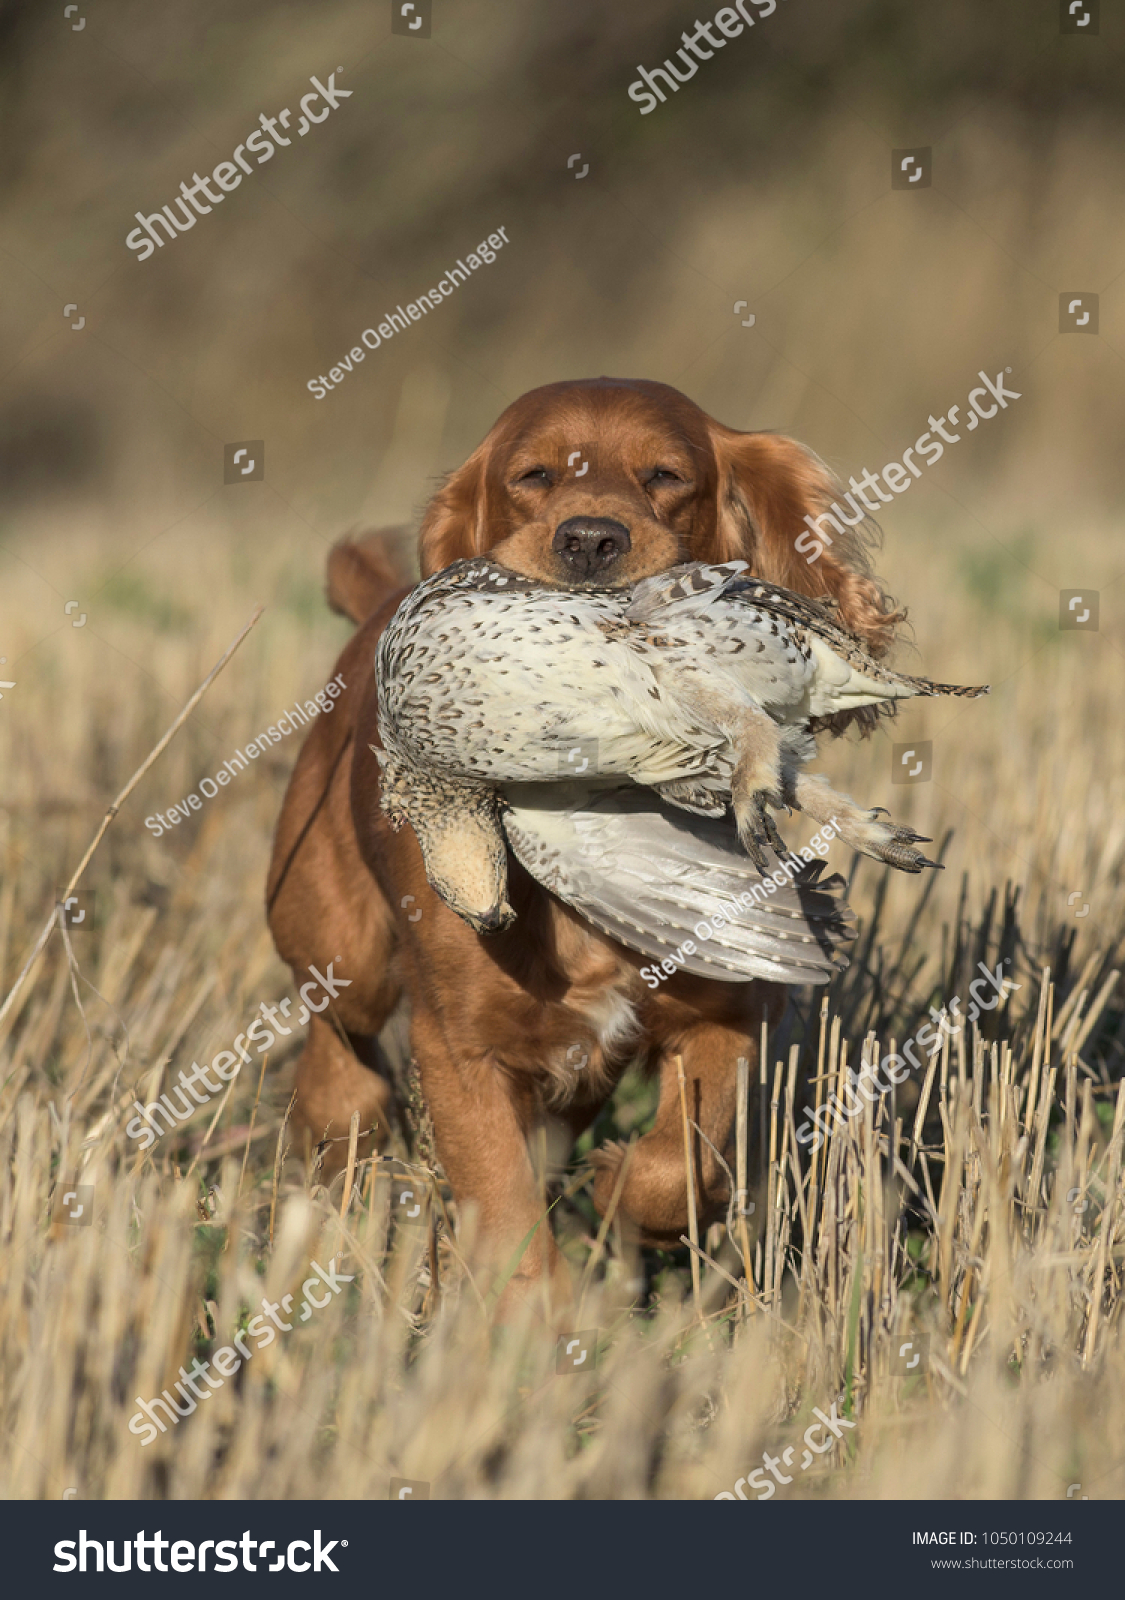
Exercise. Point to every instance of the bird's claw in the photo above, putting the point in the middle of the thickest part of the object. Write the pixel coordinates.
(905, 859)
(908, 836)
(772, 834)
(884, 841)
(757, 830)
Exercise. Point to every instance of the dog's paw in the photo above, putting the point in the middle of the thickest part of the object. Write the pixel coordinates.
(609, 1156)
(607, 1161)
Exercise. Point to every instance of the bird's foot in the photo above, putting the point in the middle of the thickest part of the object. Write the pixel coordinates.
(883, 841)
(757, 830)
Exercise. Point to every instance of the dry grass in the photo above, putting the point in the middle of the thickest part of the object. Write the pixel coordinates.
(947, 1215)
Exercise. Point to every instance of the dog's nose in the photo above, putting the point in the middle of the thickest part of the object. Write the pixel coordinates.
(590, 544)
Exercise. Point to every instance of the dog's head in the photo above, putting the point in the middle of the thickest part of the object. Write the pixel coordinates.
(606, 481)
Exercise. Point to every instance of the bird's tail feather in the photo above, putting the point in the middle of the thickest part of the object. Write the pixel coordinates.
(965, 691)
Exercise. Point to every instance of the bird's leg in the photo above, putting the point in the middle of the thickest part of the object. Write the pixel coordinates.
(863, 830)
(458, 829)
(798, 748)
(757, 783)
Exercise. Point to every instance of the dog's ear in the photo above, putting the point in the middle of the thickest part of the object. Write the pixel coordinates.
(779, 508)
(454, 526)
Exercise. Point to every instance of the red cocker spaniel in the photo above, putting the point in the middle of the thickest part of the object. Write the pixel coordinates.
(599, 481)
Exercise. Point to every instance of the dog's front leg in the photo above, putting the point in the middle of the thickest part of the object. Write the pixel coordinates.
(655, 1199)
(484, 1119)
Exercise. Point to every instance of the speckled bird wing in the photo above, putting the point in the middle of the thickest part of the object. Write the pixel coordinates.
(787, 651)
(647, 876)
(706, 640)
(707, 582)
(484, 674)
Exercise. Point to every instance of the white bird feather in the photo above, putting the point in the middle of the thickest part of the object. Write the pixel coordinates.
(656, 880)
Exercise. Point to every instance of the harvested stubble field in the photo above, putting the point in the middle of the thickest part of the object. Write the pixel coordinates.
(983, 1208)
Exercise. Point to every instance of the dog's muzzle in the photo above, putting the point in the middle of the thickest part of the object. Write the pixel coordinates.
(588, 545)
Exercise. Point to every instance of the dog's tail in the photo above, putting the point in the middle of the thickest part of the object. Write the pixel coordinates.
(365, 569)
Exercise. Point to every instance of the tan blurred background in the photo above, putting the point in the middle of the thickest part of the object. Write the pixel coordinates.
(765, 179)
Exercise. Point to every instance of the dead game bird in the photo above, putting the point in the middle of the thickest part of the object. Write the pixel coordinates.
(701, 683)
